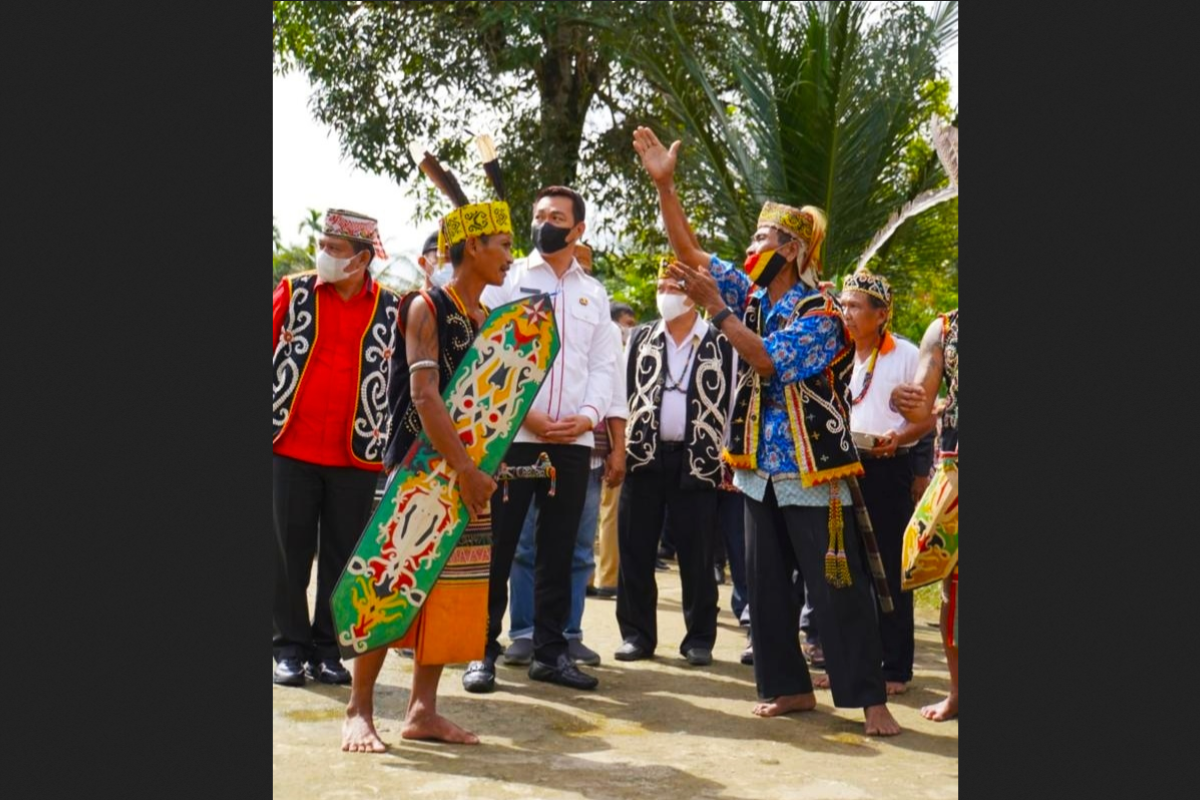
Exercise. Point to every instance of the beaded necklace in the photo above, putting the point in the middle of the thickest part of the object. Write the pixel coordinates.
(670, 382)
(867, 378)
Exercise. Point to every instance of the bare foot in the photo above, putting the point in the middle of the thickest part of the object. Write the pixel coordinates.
(786, 704)
(358, 733)
(896, 687)
(820, 681)
(880, 721)
(437, 728)
(940, 712)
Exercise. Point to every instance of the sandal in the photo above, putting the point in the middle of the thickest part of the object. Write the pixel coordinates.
(813, 654)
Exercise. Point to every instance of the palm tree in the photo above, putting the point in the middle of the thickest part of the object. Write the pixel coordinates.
(312, 224)
(811, 103)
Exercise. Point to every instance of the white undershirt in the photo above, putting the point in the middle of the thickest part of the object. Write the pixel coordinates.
(672, 421)
(873, 415)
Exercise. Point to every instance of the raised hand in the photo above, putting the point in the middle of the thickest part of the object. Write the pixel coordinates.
(658, 160)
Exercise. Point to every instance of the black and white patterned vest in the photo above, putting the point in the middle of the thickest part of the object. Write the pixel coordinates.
(707, 403)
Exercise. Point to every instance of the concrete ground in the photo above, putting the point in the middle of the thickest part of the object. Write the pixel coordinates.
(653, 730)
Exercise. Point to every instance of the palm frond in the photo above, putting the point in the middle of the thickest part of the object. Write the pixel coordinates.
(921, 202)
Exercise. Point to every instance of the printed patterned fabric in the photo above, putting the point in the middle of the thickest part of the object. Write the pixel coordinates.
(800, 350)
(354, 226)
(930, 550)
(452, 625)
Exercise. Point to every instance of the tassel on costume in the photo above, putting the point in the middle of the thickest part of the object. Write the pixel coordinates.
(837, 568)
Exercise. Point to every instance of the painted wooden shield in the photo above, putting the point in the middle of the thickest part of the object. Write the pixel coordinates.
(421, 516)
(930, 550)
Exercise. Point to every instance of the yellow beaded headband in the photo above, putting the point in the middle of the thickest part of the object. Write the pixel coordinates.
(475, 219)
(807, 224)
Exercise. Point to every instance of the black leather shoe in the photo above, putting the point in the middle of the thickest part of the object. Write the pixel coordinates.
(564, 673)
(480, 676)
(698, 656)
(288, 672)
(631, 652)
(607, 592)
(328, 671)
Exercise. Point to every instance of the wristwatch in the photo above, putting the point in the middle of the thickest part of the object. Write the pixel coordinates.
(721, 316)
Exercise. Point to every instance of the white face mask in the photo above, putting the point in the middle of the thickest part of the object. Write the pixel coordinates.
(442, 275)
(671, 306)
(330, 269)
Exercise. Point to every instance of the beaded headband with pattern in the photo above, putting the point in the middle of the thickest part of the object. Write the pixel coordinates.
(355, 227)
(475, 219)
(806, 224)
(869, 283)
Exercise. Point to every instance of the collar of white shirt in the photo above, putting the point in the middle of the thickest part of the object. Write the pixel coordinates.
(535, 260)
(699, 328)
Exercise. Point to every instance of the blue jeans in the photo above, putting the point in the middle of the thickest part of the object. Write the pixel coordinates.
(520, 580)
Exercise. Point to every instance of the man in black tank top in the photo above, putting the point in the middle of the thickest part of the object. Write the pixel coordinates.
(436, 329)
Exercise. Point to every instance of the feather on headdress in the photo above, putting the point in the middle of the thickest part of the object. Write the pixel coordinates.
(491, 163)
(442, 178)
(467, 219)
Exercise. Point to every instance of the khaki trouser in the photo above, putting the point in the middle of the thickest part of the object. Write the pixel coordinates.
(607, 560)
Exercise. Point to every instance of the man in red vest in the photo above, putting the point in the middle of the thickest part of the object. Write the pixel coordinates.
(333, 333)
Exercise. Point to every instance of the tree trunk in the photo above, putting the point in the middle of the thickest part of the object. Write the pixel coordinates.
(567, 76)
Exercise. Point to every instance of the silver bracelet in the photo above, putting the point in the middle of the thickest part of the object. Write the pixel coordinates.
(422, 365)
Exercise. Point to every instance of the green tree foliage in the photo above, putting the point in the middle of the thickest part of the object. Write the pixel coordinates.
(811, 103)
(291, 258)
(820, 103)
(391, 75)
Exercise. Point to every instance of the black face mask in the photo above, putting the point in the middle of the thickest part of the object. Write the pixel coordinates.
(549, 238)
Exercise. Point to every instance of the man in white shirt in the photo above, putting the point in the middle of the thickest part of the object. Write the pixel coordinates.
(607, 472)
(572, 400)
(881, 362)
(678, 377)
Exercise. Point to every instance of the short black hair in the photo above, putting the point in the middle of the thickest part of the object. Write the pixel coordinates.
(360, 246)
(430, 243)
(458, 250)
(578, 208)
(618, 310)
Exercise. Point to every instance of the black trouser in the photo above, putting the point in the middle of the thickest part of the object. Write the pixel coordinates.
(887, 489)
(646, 496)
(557, 526)
(309, 498)
(780, 540)
(731, 512)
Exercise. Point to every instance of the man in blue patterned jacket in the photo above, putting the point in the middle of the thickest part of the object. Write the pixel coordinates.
(789, 443)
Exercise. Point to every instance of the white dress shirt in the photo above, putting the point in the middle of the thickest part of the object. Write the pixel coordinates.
(899, 365)
(581, 378)
(619, 407)
(672, 419)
